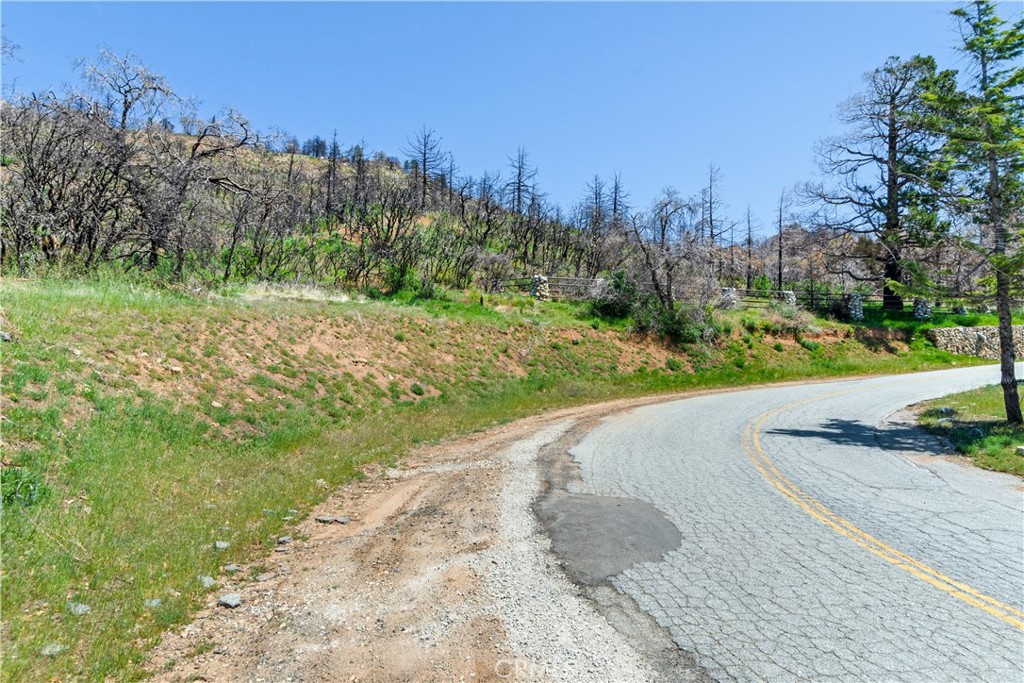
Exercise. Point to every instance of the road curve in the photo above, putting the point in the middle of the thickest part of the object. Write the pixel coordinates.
(819, 540)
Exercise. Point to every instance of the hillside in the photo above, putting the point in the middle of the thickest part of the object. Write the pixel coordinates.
(143, 425)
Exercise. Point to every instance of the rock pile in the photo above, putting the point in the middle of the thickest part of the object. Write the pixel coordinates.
(922, 309)
(730, 298)
(787, 297)
(539, 288)
(854, 305)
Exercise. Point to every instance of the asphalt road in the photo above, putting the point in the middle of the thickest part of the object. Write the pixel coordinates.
(819, 540)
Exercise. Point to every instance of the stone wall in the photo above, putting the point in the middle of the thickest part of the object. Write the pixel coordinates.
(973, 341)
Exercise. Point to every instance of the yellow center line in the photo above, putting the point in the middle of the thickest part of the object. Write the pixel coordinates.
(764, 465)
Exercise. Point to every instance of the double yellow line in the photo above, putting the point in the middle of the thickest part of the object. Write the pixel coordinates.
(764, 465)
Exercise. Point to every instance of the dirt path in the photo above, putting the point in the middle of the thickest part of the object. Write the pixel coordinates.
(441, 575)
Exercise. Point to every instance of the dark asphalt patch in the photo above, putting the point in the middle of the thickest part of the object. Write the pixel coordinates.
(597, 537)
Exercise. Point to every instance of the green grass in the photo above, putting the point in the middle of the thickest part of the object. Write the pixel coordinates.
(125, 472)
(975, 422)
(875, 316)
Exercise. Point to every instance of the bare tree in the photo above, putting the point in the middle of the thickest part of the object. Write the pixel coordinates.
(521, 180)
(882, 167)
(425, 149)
(750, 250)
(332, 175)
(672, 250)
(133, 93)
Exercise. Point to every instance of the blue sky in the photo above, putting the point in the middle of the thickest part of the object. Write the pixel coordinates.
(654, 91)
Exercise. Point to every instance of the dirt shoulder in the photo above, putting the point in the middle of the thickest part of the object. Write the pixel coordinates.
(440, 575)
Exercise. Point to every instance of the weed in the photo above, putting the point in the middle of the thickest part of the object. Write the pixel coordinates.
(808, 344)
(21, 487)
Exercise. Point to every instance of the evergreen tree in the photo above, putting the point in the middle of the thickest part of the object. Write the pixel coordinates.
(983, 125)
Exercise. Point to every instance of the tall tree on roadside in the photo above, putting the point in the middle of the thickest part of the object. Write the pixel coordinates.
(882, 169)
(983, 126)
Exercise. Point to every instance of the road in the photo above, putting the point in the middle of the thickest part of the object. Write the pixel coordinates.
(819, 540)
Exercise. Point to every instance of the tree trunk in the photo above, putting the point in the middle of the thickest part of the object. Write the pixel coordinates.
(1007, 374)
(1007, 353)
(891, 301)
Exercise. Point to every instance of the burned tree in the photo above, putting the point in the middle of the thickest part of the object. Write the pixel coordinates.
(425, 149)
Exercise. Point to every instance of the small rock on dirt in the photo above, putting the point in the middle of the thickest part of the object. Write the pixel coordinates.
(207, 581)
(331, 519)
(221, 545)
(52, 650)
(78, 609)
(231, 600)
(232, 568)
(216, 404)
(265, 576)
(153, 603)
(4, 336)
(284, 540)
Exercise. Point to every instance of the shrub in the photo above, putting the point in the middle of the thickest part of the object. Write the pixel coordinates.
(673, 364)
(679, 325)
(417, 389)
(618, 299)
(777, 346)
(644, 315)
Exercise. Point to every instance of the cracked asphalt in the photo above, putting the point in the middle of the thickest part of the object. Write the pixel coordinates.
(821, 540)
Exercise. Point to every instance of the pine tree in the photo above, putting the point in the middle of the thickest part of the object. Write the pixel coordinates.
(984, 129)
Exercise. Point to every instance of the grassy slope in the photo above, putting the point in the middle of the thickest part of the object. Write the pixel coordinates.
(975, 421)
(144, 425)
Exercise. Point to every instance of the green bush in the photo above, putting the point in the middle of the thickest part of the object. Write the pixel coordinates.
(762, 283)
(678, 325)
(619, 298)
(417, 389)
(673, 364)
